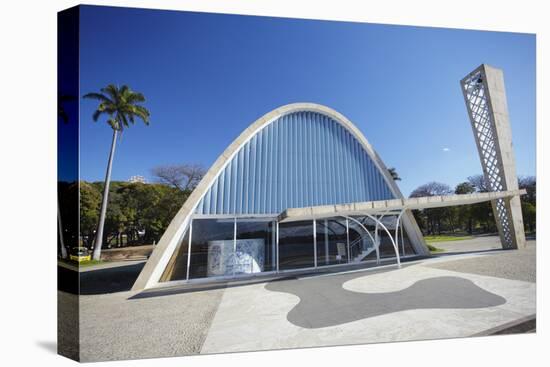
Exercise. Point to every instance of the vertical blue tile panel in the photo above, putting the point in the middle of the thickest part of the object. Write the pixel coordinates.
(301, 159)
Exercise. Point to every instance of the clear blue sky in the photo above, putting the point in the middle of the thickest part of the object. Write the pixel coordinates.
(206, 77)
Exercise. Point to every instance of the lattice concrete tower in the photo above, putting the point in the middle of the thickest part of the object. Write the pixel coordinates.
(485, 98)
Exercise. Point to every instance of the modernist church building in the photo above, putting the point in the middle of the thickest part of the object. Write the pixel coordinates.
(300, 189)
(299, 155)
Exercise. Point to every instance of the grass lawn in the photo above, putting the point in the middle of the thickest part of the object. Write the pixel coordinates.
(446, 238)
(434, 250)
(81, 264)
(89, 263)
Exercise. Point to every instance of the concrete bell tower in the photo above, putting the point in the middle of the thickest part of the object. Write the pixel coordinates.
(485, 98)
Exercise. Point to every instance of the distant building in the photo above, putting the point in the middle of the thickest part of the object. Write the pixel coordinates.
(137, 178)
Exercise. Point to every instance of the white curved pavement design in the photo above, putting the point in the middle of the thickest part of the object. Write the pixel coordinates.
(254, 318)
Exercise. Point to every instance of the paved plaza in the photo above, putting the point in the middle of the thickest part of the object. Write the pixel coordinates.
(466, 291)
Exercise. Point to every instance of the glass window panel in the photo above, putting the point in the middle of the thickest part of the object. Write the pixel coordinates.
(211, 248)
(256, 250)
(296, 245)
(386, 246)
(404, 244)
(331, 242)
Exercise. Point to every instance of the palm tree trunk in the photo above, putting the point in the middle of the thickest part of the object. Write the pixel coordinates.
(60, 229)
(105, 199)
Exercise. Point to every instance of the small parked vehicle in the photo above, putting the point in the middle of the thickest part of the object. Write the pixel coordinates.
(80, 254)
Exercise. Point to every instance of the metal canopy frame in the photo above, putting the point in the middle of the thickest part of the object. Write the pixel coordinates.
(378, 222)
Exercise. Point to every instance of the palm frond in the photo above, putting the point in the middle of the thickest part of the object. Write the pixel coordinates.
(112, 91)
(96, 114)
(122, 117)
(61, 100)
(66, 98)
(61, 113)
(131, 116)
(135, 97)
(124, 90)
(98, 96)
(120, 105)
(143, 113)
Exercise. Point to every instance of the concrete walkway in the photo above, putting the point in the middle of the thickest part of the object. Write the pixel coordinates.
(420, 301)
(481, 243)
(447, 296)
(114, 326)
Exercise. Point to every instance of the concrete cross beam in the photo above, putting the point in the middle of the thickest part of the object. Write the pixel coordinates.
(394, 206)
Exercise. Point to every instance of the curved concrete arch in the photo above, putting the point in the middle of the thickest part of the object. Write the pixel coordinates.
(160, 257)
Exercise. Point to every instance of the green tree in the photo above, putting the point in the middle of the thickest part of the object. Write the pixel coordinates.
(90, 203)
(529, 201)
(529, 183)
(68, 210)
(464, 212)
(137, 212)
(482, 213)
(62, 114)
(433, 218)
(122, 108)
(529, 215)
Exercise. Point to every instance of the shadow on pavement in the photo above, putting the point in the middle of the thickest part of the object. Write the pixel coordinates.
(198, 287)
(453, 253)
(324, 302)
(99, 281)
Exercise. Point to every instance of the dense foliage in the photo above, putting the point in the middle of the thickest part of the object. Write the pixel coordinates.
(476, 218)
(137, 214)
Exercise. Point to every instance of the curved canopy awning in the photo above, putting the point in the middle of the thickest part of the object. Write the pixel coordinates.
(386, 206)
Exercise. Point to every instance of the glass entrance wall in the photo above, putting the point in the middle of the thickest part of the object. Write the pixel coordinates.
(229, 247)
(296, 245)
(332, 242)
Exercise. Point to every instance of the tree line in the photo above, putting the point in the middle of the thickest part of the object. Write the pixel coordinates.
(474, 218)
(138, 213)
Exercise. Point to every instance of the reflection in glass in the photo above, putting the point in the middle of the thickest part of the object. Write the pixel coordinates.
(386, 245)
(296, 245)
(212, 242)
(255, 246)
(331, 242)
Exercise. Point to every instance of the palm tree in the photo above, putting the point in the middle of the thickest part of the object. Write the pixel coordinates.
(394, 174)
(63, 115)
(120, 104)
(61, 100)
